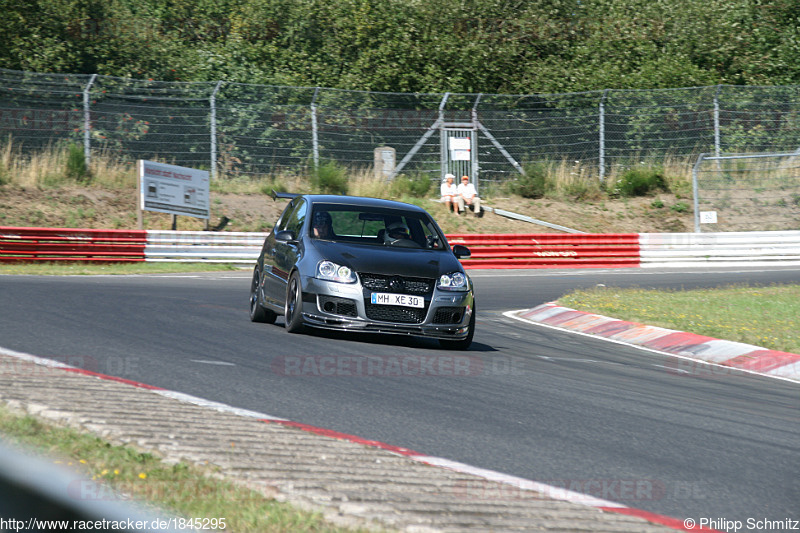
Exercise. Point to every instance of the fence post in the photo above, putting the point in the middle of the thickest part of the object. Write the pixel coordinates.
(87, 122)
(602, 141)
(694, 193)
(476, 164)
(716, 121)
(213, 105)
(314, 133)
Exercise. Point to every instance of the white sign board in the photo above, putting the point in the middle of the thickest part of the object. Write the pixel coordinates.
(460, 149)
(708, 217)
(173, 189)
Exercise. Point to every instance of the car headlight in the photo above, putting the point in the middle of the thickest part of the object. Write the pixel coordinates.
(455, 281)
(330, 271)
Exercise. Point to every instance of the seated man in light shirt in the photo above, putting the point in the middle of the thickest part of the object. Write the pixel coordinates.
(450, 193)
(468, 197)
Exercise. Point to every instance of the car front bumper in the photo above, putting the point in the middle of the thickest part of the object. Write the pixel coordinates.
(441, 308)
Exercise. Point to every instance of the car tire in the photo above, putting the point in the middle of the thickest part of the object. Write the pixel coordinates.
(258, 313)
(461, 344)
(293, 312)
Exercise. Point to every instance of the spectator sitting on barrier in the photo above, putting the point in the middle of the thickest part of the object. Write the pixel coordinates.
(468, 197)
(450, 193)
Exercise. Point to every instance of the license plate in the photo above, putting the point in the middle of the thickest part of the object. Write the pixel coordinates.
(404, 300)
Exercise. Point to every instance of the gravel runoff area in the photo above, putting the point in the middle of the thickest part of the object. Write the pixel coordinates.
(352, 483)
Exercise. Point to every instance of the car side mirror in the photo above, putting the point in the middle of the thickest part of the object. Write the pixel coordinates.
(460, 251)
(285, 236)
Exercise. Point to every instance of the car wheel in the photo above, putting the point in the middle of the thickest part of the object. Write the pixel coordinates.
(462, 344)
(257, 311)
(293, 314)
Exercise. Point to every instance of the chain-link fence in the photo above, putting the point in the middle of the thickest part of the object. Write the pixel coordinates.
(238, 129)
(747, 192)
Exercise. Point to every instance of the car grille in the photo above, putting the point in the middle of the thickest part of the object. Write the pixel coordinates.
(397, 285)
(338, 306)
(393, 313)
(448, 315)
(381, 282)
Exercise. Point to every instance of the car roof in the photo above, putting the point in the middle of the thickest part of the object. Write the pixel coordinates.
(361, 201)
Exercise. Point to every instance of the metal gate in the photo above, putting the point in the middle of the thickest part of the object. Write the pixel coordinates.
(459, 144)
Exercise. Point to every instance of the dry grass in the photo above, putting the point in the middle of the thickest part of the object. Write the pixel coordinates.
(35, 190)
(46, 168)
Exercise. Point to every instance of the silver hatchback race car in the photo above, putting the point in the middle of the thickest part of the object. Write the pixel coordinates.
(363, 265)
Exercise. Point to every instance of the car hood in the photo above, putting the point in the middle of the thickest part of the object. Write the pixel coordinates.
(389, 261)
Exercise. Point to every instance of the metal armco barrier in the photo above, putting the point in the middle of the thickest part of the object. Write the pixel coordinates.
(549, 250)
(751, 248)
(203, 246)
(64, 244)
(493, 251)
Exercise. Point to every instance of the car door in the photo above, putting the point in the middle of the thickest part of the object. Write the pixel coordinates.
(281, 255)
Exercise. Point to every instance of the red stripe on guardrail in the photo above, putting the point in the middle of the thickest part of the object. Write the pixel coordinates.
(20, 244)
(534, 250)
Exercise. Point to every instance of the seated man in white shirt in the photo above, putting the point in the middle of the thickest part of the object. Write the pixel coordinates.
(450, 193)
(468, 197)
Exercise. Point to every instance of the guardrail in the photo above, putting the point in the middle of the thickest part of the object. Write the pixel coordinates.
(203, 246)
(65, 244)
(752, 248)
(550, 250)
(493, 251)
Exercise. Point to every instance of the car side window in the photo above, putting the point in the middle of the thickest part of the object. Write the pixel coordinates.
(294, 221)
(280, 225)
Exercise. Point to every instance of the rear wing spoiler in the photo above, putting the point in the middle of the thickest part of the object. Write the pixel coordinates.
(283, 195)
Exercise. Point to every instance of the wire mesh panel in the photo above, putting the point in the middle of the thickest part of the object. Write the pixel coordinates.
(649, 126)
(536, 128)
(263, 129)
(759, 119)
(240, 129)
(747, 192)
(38, 109)
(139, 119)
(351, 124)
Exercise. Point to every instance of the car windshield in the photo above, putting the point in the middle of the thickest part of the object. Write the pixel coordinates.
(375, 226)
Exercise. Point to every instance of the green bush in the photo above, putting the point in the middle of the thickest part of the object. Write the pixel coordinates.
(416, 186)
(76, 164)
(680, 207)
(641, 182)
(533, 184)
(330, 178)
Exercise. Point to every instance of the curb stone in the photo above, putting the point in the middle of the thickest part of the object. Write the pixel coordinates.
(691, 346)
(353, 482)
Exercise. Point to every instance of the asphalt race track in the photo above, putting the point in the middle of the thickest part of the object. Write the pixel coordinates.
(617, 422)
